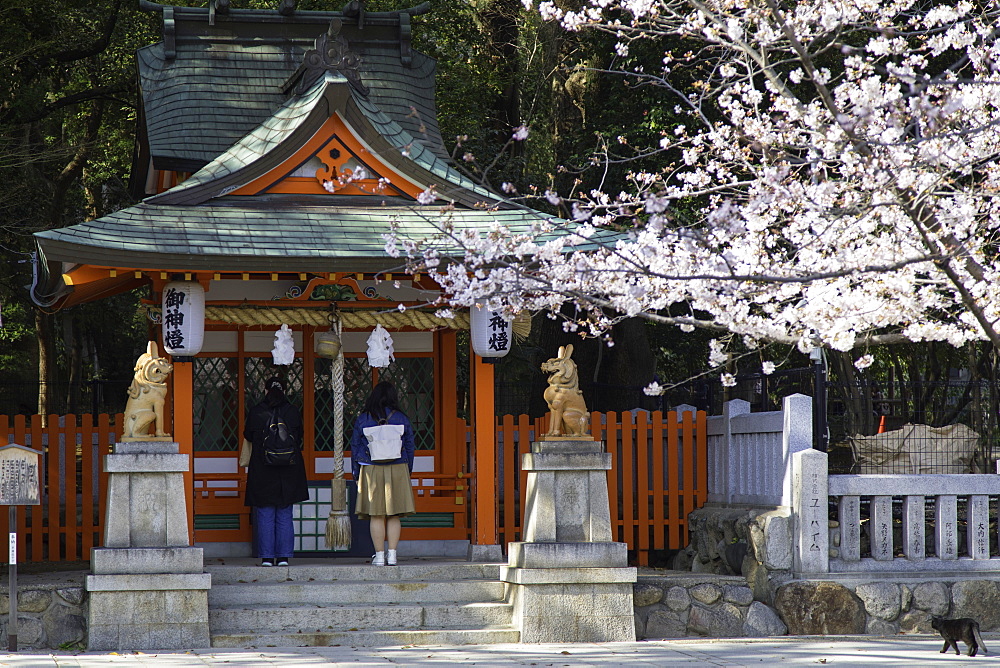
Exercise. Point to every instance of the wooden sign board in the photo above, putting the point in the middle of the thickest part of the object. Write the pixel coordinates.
(20, 482)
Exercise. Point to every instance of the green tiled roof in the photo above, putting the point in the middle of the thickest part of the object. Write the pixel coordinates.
(224, 80)
(297, 120)
(279, 234)
(418, 152)
(264, 138)
(217, 104)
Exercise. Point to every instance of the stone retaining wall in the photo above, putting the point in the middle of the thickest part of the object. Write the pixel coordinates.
(667, 605)
(48, 617)
(887, 606)
(753, 547)
(718, 606)
(681, 605)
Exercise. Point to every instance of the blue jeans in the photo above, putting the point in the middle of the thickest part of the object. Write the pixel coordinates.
(275, 535)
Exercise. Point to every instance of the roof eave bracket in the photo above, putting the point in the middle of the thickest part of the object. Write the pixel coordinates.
(405, 37)
(169, 34)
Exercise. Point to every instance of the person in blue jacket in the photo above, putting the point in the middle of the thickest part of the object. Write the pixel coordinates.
(384, 490)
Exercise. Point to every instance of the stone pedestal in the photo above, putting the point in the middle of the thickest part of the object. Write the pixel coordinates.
(148, 589)
(567, 580)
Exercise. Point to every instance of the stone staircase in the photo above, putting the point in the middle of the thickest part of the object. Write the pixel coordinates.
(317, 602)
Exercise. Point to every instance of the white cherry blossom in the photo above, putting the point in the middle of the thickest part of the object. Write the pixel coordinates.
(839, 203)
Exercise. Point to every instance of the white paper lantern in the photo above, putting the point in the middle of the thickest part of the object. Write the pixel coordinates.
(491, 332)
(183, 318)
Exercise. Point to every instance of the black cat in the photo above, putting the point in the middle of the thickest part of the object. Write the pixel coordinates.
(964, 629)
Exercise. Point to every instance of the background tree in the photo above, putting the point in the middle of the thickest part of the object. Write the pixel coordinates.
(67, 111)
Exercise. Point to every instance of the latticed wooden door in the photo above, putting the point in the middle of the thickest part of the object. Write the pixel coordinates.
(226, 388)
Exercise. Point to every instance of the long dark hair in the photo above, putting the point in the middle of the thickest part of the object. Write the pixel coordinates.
(274, 392)
(383, 400)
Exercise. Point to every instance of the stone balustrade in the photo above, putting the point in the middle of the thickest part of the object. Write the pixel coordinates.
(942, 516)
(749, 453)
(929, 535)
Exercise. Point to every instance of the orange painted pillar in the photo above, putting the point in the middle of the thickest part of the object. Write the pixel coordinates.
(452, 449)
(484, 450)
(183, 383)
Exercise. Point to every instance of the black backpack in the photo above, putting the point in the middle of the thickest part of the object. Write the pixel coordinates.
(280, 449)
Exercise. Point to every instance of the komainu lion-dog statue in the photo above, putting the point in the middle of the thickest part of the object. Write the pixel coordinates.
(563, 395)
(146, 396)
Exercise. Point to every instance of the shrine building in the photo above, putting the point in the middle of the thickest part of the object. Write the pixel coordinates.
(275, 148)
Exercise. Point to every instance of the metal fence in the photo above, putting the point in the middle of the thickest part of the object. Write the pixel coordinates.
(914, 427)
(897, 427)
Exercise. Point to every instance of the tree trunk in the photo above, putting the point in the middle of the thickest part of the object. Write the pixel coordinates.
(60, 189)
(628, 366)
(500, 19)
(859, 416)
(74, 363)
(46, 362)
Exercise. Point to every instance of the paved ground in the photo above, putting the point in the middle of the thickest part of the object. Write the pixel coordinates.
(800, 651)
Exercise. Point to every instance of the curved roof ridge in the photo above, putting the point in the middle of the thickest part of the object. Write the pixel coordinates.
(272, 142)
(415, 150)
(255, 145)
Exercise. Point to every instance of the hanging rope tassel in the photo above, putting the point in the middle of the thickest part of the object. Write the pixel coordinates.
(338, 524)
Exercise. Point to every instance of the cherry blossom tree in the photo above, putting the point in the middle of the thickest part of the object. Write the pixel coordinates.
(833, 183)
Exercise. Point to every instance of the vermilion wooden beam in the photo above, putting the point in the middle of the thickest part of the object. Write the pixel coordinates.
(183, 431)
(484, 449)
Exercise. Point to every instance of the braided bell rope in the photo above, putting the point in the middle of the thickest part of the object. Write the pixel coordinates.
(338, 406)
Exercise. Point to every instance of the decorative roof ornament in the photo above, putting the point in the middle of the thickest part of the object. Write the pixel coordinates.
(332, 53)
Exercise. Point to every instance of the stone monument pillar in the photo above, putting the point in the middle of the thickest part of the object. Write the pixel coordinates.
(568, 580)
(148, 589)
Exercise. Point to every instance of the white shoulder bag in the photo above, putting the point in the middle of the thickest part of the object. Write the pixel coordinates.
(385, 441)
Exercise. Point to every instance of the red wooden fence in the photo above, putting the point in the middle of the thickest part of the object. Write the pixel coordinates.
(68, 522)
(659, 474)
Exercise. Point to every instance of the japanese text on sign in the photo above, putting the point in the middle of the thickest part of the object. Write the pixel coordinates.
(173, 318)
(19, 484)
(499, 337)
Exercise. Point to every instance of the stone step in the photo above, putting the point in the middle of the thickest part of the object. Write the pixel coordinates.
(326, 618)
(311, 572)
(368, 638)
(299, 592)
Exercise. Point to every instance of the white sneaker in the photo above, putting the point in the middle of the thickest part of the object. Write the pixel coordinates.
(390, 558)
(378, 559)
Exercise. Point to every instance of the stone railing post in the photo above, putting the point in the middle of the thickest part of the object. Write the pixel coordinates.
(732, 459)
(810, 485)
(796, 436)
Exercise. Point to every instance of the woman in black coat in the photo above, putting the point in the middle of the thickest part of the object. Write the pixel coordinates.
(271, 490)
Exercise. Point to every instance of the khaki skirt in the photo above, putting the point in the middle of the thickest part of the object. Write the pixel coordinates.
(384, 489)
